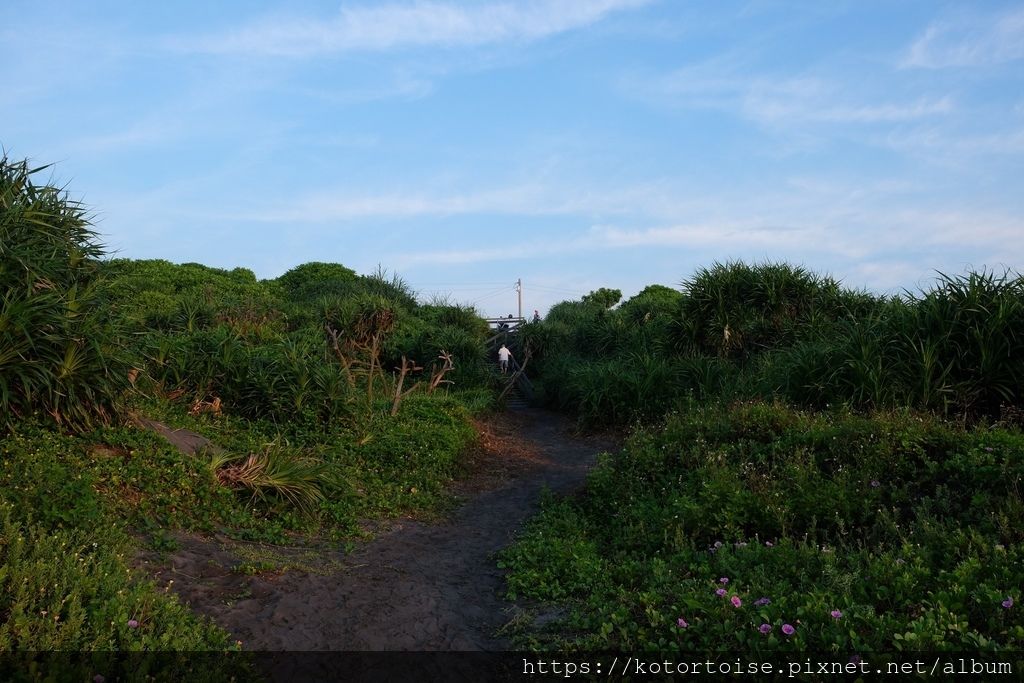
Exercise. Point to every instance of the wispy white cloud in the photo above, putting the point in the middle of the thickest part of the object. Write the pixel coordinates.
(402, 87)
(877, 255)
(958, 145)
(376, 27)
(771, 107)
(469, 256)
(658, 198)
(867, 229)
(887, 275)
(733, 232)
(149, 132)
(969, 41)
(796, 213)
(969, 229)
(722, 85)
(332, 207)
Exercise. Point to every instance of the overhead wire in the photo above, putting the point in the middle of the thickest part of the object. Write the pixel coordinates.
(493, 294)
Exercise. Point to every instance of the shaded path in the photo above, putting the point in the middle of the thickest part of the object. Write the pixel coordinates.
(419, 586)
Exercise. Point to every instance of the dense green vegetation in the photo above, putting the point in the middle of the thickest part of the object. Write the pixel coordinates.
(810, 468)
(328, 397)
(737, 331)
(56, 350)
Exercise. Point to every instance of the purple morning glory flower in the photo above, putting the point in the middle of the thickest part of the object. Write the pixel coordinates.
(765, 628)
(681, 623)
(769, 544)
(720, 592)
(875, 483)
(788, 629)
(761, 602)
(724, 579)
(1008, 603)
(736, 602)
(855, 659)
(133, 623)
(836, 614)
(718, 544)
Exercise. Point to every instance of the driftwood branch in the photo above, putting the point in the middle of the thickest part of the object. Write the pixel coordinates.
(438, 375)
(346, 363)
(407, 367)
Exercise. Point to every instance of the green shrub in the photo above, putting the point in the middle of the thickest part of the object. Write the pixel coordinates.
(313, 280)
(40, 475)
(955, 349)
(72, 590)
(779, 331)
(736, 310)
(908, 527)
(57, 352)
(156, 295)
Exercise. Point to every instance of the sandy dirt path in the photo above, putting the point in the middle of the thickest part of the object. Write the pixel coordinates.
(417, 586)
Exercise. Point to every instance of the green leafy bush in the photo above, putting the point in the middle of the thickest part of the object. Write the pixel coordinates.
(775, 330)
(313, 280)
(57, 352)
(866, 534)
(72, 590)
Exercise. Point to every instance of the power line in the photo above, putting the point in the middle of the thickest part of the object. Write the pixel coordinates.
(494, 294)
(461, 284)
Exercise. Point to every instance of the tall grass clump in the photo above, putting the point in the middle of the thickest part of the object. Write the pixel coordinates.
(955, 349)
(57, 352)
(779, 331)
(963, 344)
(662, 346)
(737, 310)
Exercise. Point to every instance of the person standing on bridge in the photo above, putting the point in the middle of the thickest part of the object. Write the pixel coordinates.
(503, 355)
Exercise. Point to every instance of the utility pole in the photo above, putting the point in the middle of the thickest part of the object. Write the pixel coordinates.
(519, 292)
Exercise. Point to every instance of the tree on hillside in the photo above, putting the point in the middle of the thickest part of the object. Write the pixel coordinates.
(603, 297)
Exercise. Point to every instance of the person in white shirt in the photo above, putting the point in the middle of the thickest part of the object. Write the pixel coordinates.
(503, 355)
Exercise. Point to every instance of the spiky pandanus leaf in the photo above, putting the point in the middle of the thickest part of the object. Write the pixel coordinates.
(274, 472)
(55, 350)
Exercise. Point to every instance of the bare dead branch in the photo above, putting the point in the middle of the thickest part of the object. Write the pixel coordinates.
(437, 377)
(407, 367)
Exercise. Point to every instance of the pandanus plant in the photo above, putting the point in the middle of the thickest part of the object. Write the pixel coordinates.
(57, 348)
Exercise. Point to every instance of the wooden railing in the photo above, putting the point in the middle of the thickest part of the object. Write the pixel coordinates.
(509, 323)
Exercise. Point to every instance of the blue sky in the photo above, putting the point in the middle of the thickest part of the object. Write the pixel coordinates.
(572, 143)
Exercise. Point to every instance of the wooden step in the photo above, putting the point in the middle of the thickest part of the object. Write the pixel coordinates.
(514, 400)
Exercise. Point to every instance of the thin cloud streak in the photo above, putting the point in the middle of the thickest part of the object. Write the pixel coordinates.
(657, 199)
(523, 200)
(971, 43)
(718, 85)
(894, 233)
(1003, 143)
(417, 24)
